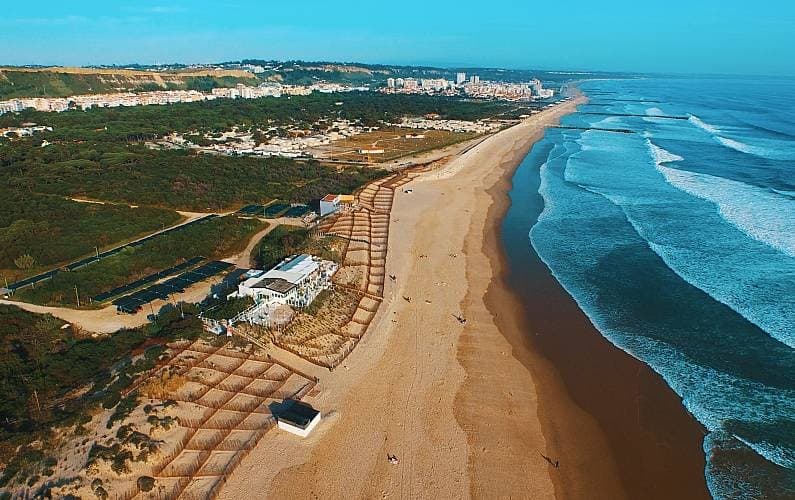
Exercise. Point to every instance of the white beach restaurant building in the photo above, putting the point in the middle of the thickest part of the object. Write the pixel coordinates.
(295, 281)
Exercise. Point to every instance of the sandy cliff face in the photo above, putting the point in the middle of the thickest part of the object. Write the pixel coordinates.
(63, 82)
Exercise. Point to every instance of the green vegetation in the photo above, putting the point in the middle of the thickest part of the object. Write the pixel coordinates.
(214, 238)
(207, 83)
(53, 230)
(288, 240)
(146, 483)
(146, 122)
(98, 153)
(177, 179)
(43, 367)
(123, 408)
(228, 308)
(16, 83)
(317, 304)
(49, 84)
(118, 455)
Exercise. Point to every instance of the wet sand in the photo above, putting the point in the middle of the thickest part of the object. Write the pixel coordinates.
(603, 412)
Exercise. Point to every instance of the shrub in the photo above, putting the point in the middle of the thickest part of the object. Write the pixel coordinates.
(146, 483)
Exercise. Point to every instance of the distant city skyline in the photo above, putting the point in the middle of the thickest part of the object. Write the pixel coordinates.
(721, 37)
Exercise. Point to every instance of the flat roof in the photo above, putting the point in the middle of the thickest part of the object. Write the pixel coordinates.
(298, 264)
(298, 414)
(291, 271)
(276, 284)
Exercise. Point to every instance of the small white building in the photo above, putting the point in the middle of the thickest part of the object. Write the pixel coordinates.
(298, 418)
(329, 204)
(295, 281)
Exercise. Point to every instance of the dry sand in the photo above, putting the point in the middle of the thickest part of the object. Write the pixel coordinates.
(450, 401)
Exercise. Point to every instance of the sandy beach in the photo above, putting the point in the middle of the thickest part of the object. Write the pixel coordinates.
(614, 425)
(451, 401)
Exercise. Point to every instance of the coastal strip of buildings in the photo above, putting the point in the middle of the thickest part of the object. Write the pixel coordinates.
(474, 87)
(461, 86)
(162, 97)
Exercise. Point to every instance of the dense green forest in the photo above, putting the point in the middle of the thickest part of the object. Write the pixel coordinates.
(214, 238)
(144, 122)
(43, 364)
(174, 179)
(54, 230)
(99, 154)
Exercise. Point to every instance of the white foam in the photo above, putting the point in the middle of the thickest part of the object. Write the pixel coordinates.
(712, 396)
(654, 112)
(698, 122)
(784, 192)
(736, 145)
(774, 150)
(763, 215)
(662, 155)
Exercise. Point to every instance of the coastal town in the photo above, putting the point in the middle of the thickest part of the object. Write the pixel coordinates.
(473, 87)
(163, 97)
(370, 250)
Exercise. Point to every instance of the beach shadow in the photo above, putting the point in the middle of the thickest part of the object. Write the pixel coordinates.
(280, 407)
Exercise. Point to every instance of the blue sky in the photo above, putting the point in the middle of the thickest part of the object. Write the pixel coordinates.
(696, 36)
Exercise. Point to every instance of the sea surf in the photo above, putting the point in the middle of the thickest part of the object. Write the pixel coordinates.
(676, 240)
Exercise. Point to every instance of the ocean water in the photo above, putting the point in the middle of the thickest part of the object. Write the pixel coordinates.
(676, 237)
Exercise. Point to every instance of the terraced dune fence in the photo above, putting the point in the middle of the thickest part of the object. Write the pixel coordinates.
(221, 401)
(329, 336)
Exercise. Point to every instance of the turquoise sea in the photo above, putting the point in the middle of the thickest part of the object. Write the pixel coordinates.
(669, 217)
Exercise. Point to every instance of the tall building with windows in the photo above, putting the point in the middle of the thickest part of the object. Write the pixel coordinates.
(474, 79)
(390, 82)
(460, 78)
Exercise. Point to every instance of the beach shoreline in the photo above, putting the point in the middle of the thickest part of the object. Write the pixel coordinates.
(625, 432)
(396, 393)
(460, 403)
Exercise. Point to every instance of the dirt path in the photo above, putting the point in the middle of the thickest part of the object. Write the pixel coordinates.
(243, 259)
(105, 320)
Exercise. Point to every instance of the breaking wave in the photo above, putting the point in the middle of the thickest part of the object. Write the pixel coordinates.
(776, 150)
(764, 215)
(698, 122)
(662, 155)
